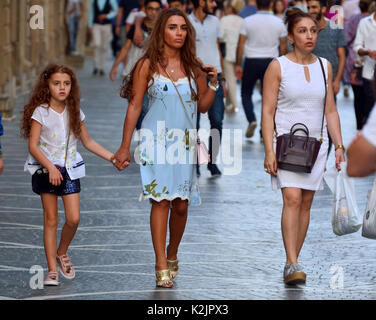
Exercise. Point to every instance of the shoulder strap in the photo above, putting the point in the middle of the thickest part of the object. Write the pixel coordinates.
(326, 93)
(66, 149)
(181, 100)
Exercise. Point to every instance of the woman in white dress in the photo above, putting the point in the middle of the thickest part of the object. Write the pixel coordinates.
(294, 92)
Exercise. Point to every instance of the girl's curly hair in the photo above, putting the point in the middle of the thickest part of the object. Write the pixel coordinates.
(41, 95)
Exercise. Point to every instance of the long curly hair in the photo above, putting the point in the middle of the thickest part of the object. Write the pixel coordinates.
(41, 95)
(154, 53)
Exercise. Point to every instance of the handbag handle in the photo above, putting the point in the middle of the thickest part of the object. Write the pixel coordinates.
(326, 93)
(66, 149)
(305, 129)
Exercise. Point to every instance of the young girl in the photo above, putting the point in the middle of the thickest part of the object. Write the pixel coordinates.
(53, 122)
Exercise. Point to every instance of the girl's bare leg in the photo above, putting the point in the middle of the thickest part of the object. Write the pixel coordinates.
(72, 219)
(51, 220)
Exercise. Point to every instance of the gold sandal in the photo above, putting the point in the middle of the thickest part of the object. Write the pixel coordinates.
(173, 268)
(163, 278)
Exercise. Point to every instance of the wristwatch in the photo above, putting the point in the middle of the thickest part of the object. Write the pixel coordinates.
(214, 88)
(340, 146)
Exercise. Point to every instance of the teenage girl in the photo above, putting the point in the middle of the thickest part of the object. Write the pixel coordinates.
(53, 123)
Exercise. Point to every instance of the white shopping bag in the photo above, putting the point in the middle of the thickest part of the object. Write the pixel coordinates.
(345, 214)
(369, 219)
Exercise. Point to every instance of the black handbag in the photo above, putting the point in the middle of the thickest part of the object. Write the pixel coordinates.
(299, 153)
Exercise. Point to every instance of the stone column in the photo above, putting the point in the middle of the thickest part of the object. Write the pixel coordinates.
(25, 51)
(7, 92)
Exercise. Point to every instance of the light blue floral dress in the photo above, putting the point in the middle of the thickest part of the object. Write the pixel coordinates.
(167, 149)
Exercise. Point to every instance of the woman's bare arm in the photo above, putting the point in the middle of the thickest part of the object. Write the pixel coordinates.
(272, 80)
(332, 119)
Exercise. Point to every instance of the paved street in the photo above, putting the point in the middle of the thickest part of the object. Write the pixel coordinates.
(232, 247)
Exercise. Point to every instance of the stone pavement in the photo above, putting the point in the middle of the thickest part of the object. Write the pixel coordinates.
(232, 247)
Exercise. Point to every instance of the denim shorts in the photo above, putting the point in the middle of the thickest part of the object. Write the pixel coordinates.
(41, 184)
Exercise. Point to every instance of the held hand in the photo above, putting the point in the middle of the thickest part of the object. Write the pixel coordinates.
(102, 17)
(336, 86)
(340, 157)
(211, 72)
(55, 176)
(372, 54)
(270, 164)
(123, 159)
(238, 72)
(138, 37)
(117, 31)
(113, 74)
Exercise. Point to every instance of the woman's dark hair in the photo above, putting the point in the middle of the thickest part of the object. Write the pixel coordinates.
(275, 5)
(263, 4)
(293, 16)
(364, 5)
(154, 54)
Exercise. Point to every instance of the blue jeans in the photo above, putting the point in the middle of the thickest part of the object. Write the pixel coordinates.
(216, 114)
(73, 31)
(254, 69)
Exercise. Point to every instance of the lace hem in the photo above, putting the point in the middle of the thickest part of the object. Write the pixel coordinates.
(170, 197)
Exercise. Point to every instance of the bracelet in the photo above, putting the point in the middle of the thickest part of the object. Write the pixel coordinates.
(340, 146)
(213, 87)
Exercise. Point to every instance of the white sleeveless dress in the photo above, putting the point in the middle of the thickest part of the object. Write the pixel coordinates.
(302, 101)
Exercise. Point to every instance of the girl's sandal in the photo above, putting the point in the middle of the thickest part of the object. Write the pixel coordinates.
(66, 267)
(52, 279)
(163, 279)
(173, 267)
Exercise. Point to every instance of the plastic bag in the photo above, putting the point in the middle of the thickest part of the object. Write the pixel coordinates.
(345, 214)
(369, 219)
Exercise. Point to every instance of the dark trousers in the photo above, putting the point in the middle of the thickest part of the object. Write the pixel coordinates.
(359, 102)
(254, 69)
(369, 97)
(216, 114)
(115, 46)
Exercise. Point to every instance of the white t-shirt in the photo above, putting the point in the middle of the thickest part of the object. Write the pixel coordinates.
(366, 39)
(135, 13)
(230, 27)
(207, 35)
(263, 31)
(369, 129)
(53, 142)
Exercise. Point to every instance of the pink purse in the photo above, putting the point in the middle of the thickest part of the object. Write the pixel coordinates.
(203, 155)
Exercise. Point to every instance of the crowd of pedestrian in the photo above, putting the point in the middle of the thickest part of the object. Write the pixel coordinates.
(179, 59)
